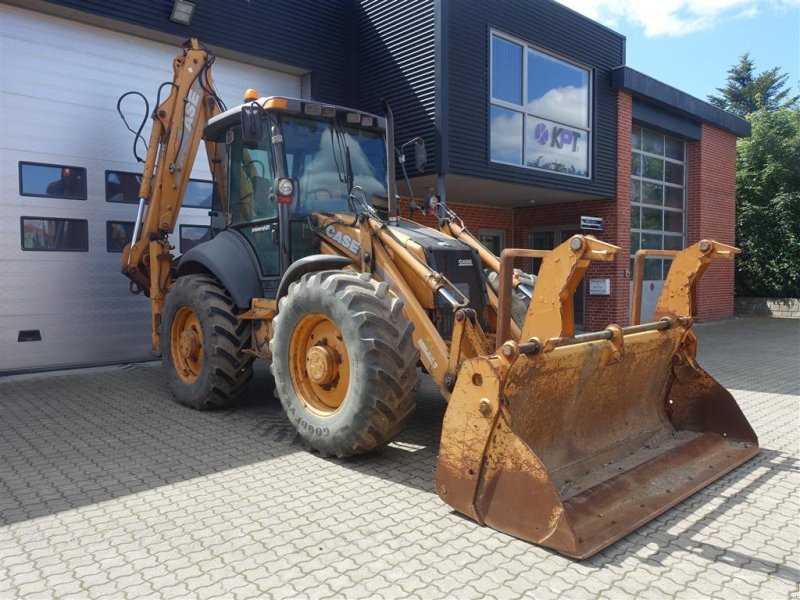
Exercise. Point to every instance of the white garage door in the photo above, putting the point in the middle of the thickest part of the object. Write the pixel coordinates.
(59, 89)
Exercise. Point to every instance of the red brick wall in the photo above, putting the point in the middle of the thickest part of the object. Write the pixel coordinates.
(711, 213)
(619, 309)
(475, 218)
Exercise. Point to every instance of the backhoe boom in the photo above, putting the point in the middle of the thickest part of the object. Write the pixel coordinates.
(174, 140)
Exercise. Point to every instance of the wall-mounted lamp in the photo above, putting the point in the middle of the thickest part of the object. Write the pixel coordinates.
(182, 12)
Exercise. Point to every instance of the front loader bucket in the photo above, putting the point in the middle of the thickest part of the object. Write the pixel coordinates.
(575, 442)
(574, 448)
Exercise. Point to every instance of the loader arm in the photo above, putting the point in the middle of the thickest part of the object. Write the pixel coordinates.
(569, 441)
(174, 140)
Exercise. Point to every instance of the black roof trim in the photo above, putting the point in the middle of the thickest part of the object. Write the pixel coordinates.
(666, 96)
(656, 117)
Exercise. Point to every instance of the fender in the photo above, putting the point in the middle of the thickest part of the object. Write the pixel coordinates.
(229, 259)
(310, 264)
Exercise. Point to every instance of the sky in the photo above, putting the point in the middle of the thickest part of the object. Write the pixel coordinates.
(691, 44)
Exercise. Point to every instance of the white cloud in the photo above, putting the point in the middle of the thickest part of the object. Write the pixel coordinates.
(567, 105)
(673, 17)
(506, 136)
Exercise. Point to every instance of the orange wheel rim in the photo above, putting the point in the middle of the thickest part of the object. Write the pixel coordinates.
(320, 365)
(186, 343)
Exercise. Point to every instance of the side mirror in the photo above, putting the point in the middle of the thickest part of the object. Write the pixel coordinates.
(420, 154)
(252, 123)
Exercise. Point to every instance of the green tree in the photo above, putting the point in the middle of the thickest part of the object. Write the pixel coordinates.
(746, 92)
(768, 205)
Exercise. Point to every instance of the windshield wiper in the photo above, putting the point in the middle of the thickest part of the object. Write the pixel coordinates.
(345, 171)
(348, 169)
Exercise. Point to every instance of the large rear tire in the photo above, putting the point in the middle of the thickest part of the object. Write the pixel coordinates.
(344, 362)
(203, 343)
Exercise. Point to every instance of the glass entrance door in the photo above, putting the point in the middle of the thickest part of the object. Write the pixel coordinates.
(548, 240)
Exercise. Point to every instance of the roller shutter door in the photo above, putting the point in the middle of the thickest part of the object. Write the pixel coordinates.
(59, 89)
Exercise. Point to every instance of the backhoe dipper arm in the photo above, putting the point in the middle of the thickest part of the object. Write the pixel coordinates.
(174, 140)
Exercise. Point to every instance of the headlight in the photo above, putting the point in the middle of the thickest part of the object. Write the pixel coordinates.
(285, 187)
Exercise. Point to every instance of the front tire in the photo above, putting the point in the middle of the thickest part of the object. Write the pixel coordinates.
(344, 362)
(203, 343)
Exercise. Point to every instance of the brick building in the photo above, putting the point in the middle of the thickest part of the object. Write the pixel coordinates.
(708, 207)
(530, 117)
(659, 167)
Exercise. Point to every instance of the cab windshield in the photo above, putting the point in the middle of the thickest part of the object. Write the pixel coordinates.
(317, 154)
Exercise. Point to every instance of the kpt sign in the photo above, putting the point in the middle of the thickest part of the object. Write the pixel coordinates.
(556, 147)
(558, 137)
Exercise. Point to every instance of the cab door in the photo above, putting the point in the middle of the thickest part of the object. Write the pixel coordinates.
(252, 206)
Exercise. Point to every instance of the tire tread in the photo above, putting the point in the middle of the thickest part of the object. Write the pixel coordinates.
(231, 367)
(388, 379)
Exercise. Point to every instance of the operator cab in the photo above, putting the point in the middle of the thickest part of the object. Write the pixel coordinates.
(285, 159)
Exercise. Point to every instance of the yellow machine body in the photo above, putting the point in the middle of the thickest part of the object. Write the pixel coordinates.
(568, 441)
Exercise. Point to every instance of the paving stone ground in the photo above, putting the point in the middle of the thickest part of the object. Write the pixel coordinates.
(109, 489)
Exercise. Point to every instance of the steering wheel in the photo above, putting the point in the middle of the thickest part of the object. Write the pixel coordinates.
(260, 166)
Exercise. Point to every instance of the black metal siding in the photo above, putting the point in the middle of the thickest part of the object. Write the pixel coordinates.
(395, 61)
(551, 27)
(442, 87)
(316, 36)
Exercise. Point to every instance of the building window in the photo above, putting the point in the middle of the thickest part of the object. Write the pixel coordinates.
(118, 235)
(198, 194)
(122, 186)
(658, 197)
(493, 239)
(539, 114)
(57, 235)
(192, 235)
(52, 181)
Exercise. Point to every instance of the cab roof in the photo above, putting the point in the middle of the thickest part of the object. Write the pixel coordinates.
(217, 126)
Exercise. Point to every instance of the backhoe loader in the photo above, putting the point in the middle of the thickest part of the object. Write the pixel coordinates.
(568, 441)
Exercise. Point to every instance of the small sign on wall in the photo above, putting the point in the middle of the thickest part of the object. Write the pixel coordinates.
(592, 223)
(599, 287)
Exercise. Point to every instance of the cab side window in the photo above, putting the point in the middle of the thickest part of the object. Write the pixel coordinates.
(252, 176)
